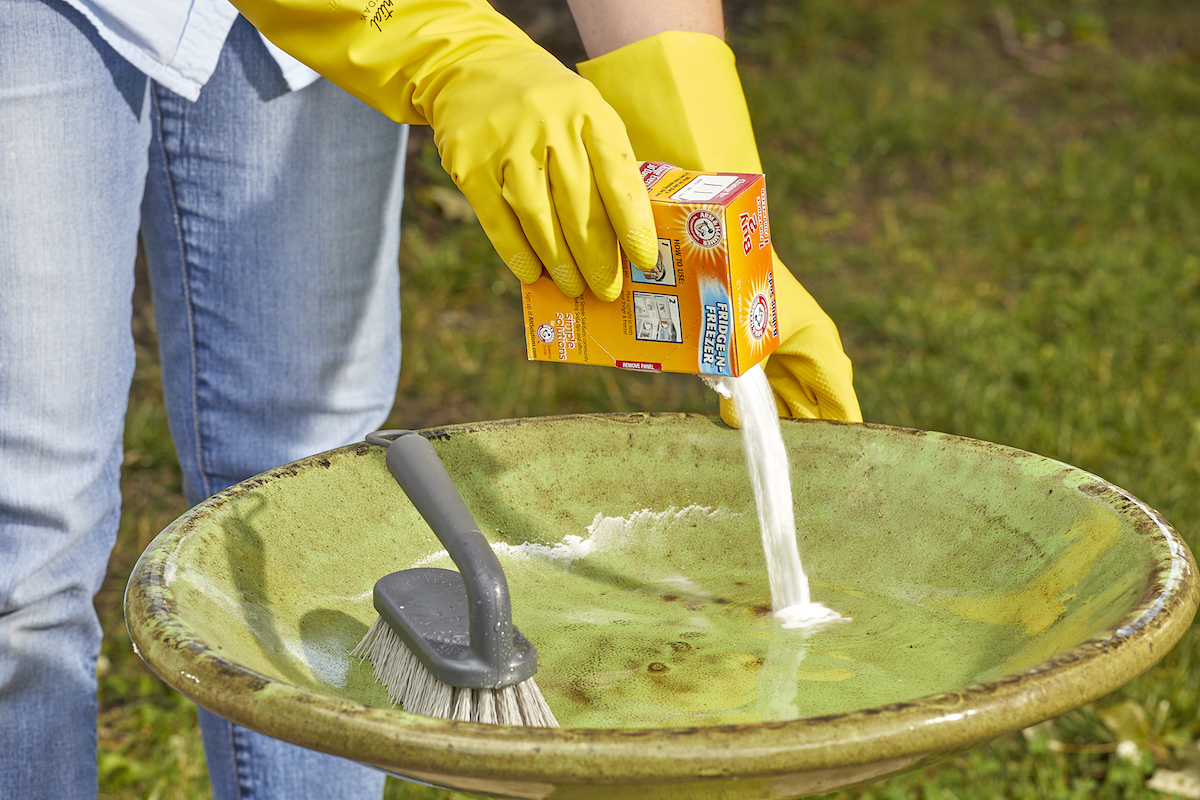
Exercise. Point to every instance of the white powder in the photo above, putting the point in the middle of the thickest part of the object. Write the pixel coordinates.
(603, 534)
(766, 459)
(608, 532)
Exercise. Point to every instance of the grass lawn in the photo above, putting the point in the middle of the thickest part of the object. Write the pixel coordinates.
(1000, 206)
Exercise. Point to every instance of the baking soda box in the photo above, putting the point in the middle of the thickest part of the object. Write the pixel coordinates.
(707, 307)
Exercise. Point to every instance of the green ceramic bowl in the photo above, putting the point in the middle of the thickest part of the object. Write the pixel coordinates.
(988, 588)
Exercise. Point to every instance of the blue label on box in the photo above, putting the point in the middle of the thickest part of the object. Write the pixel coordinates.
(718, 329)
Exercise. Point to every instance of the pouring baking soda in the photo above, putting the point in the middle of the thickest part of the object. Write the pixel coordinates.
(708, 308)
(766, 459)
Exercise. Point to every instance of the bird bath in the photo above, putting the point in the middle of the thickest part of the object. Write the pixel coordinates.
(989, 589)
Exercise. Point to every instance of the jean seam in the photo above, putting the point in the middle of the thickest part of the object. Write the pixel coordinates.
(235, 758)
(194, 367)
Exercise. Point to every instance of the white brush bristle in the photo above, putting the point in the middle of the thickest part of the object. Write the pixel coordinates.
(414, 687)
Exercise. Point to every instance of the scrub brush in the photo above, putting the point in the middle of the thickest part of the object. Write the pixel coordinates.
(444, 644)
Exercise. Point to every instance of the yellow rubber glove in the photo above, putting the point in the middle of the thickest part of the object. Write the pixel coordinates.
(543, 160)
(682, 102)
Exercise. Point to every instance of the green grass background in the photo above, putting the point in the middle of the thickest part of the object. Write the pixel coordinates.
(998, 204)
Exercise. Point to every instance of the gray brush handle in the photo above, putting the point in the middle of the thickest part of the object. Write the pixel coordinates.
(419, 471)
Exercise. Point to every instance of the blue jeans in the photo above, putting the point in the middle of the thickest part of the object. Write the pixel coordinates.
(270, 221)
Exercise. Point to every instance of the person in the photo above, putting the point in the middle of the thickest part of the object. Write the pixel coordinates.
(268, 207)
(539, 152)
(270, 219)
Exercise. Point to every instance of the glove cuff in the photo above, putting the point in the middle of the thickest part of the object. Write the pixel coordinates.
(691, 81)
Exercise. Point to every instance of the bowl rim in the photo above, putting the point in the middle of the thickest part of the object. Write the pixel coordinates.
(409, 744)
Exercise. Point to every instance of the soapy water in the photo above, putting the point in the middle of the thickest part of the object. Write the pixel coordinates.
(766, 458)
(611, 532)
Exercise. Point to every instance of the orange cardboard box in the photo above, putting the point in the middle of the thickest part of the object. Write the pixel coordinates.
(707, 308)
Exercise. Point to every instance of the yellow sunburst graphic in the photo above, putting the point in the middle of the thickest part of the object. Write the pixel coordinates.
(757, 319)
(704, 234)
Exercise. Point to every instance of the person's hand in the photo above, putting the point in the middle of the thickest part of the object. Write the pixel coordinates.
(809, 372)
(544, 161)
(686, 108)
(547, 166)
